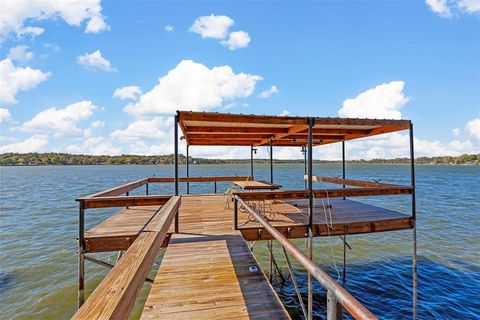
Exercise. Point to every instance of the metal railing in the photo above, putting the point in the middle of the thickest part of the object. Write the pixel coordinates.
(338, 298)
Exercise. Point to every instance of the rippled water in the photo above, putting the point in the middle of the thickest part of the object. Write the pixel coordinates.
(38, 228)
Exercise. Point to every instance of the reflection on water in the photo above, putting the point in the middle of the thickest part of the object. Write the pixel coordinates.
(38, 225)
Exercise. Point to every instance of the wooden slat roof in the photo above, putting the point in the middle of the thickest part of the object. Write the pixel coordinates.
(225, 129)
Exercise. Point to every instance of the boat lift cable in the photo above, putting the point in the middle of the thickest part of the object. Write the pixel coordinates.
(329, 221)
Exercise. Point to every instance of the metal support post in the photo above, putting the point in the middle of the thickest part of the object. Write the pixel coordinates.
(304, 151)
(251, 161)
(414, 216)
(81, 260)
(310, 211)
(146, 189)
(235, 213)
(271, 161)
(215, 186)
(188, 171)
(270, 260)
(343, 163)
(175, 162)
(344, 275)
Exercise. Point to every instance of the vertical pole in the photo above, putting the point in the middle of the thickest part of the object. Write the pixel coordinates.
(146, 189)
(175, 162)
(414, 216)
(344, 275)
(271, 161)
(235, 213)
(343, 163)
(334, 308)
(251, 162)
(127, 194)
(188, 171)
(215, 186)
(310, 211)
(81, 261)
(310, 172)
(304, 150)
(270, 265)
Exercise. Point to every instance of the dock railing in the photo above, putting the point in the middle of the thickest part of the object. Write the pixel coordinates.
(338, 298)
(360, 189)
(120, 197)
(115, 296)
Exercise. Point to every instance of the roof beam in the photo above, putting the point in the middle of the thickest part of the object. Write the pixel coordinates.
(249, 130)
(293, 129)
(239, 118)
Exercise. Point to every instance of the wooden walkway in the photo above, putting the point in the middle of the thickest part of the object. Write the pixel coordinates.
(206, 272)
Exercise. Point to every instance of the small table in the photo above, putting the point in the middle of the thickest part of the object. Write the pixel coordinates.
(256, 185)
(253, 186)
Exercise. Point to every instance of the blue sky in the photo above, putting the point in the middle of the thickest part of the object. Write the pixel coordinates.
(404, 59)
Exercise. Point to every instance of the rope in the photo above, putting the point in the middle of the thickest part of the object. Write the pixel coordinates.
(329, 226)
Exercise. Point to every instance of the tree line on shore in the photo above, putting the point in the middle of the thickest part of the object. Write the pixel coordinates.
(53, 158)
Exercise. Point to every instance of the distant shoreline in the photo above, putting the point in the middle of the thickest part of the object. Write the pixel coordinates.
(63, 159)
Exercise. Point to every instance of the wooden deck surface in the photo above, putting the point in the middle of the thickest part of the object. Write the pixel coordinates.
(205, 272)
(343, 216)
(291, 217)
(120, 230)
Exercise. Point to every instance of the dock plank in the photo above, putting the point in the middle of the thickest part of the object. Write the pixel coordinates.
(205, 273)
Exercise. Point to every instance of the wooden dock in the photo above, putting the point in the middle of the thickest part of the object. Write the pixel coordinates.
(208, 270)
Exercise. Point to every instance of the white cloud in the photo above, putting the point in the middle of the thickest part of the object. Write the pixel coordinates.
(449, 8)
(217, 27)
(268, 93)
(237, 40)
(212, 26)
(145, 129)
(383, 101)
(456, 132)
(20, 54)
(193, 86)
(129, 92)
(14, 79)
(168, 28)
(97, 24)
(94, 146)
(95, 125)
(60, 121)
(33, 144)
(396, 144)
(284, 113)
(473, 128)
(141, 148)
(94, 61)
(439, 6)
(5, 115)
(16, 13)
(469, 6)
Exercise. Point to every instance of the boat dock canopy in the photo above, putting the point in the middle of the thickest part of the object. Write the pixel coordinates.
(209, 128)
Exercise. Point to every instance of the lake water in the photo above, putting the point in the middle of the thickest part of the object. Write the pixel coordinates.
(38, 230)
